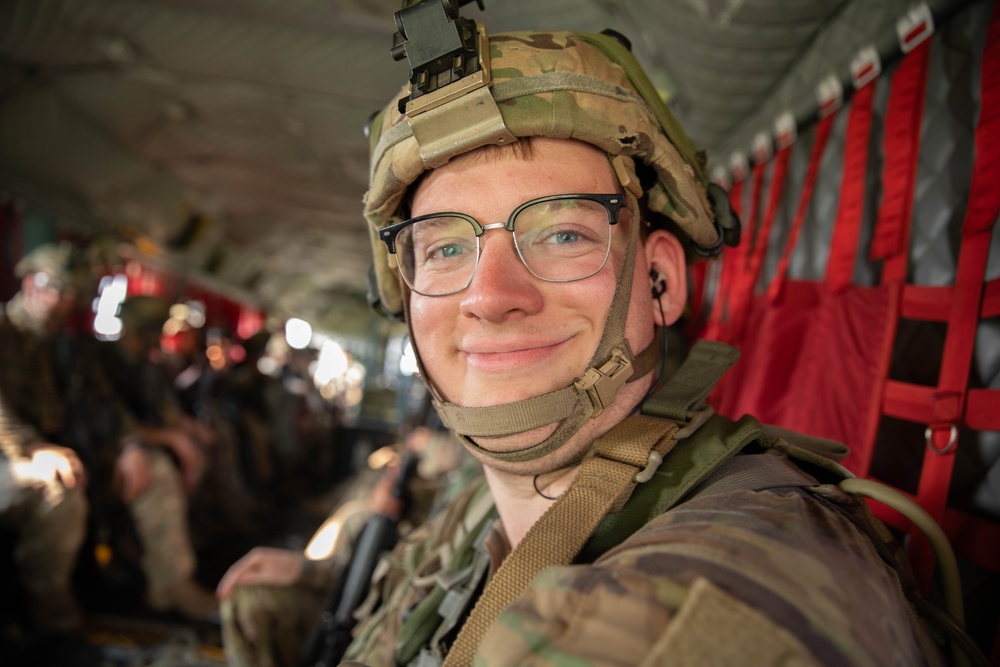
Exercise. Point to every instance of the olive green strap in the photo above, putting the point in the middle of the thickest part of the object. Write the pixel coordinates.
(687, 390)
(603, 480)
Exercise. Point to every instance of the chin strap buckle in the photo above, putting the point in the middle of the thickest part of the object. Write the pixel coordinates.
(601, 384)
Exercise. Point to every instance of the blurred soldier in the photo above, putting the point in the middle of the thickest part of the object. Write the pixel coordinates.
(41, 483)
(155, 487)
(272, 598)
(266, 421)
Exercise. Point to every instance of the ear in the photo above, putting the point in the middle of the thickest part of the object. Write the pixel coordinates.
(665, 256)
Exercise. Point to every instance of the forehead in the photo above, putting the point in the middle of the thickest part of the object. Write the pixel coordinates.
(510, 175)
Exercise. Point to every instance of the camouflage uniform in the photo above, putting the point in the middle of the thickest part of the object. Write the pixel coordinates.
(780, 568)
(267, 626)
(50, 518)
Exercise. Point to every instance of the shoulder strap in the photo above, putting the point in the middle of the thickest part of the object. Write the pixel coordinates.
(685, 392)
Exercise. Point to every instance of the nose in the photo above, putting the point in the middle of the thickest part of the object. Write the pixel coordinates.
(502, 286)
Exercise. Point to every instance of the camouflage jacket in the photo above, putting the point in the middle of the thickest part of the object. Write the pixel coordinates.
(30, 407)
(54, 389)
(786, 570)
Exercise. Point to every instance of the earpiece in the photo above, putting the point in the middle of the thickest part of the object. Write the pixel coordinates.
(659, 283)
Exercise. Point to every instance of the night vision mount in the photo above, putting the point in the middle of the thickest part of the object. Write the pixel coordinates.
(442, 47)
(449, 107)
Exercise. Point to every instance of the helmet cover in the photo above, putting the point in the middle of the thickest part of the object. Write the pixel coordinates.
(562, 85)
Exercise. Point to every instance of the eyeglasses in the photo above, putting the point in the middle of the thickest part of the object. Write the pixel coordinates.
(560, 238)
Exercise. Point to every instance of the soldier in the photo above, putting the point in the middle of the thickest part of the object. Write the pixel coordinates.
(271, 599)
(158, 499)
(534, 228)
(41, 483)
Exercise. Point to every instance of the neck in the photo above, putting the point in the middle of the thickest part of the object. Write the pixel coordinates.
(519, 504)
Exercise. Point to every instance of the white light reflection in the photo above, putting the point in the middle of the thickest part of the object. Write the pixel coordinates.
(408, 362)
(112, 291)
(298, 333)
(332, 363)
(324, 542)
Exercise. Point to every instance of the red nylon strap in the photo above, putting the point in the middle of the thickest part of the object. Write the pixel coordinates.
(777, 188)
(948, 405)
(850, 208)
(925, 303)
(741, 265)
(991, 299)
(755, 258)
(982, 409)
(820, 141)
(901, 146)
(715, 330)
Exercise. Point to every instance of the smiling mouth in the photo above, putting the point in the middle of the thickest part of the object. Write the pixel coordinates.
(510, 360)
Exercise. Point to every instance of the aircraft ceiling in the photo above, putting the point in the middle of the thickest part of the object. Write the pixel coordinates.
(225, 136)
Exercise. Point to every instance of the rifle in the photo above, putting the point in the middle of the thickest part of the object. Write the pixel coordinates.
(329, 640)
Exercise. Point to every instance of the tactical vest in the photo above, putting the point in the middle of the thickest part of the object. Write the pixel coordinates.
(700, 459)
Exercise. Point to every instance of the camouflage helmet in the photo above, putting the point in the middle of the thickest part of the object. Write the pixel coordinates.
(62, 262)
(560, 85)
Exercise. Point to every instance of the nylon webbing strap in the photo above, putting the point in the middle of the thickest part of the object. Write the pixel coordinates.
(753, 472)
(850, 208)
(694, 380)
(763, 236)
(948, 405)
(739, 290)
(567, 525)
(540, 411)
(822, 136)
(901, 145)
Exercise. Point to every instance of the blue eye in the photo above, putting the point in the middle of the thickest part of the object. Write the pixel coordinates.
(565, 237)
(451, 250)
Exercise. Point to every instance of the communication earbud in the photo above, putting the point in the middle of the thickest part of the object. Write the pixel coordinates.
(659, 283)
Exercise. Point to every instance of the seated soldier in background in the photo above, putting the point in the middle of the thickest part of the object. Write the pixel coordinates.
(41, 482)
(159, 474)
(271, 599)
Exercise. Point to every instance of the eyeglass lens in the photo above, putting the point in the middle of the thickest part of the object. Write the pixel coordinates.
(558, 240)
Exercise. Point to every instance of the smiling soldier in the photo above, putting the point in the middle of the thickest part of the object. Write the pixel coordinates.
(535, 233)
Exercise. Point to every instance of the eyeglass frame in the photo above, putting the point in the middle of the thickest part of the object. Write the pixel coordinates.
(612, 204)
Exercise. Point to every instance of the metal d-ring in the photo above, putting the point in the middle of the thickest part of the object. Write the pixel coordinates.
(952, 440)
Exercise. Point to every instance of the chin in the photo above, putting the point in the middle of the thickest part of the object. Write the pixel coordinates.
(570, 452)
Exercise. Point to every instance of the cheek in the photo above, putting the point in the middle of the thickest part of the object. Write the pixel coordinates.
(430, 320)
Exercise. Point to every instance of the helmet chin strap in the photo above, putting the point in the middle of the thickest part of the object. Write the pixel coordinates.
(612, 365)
